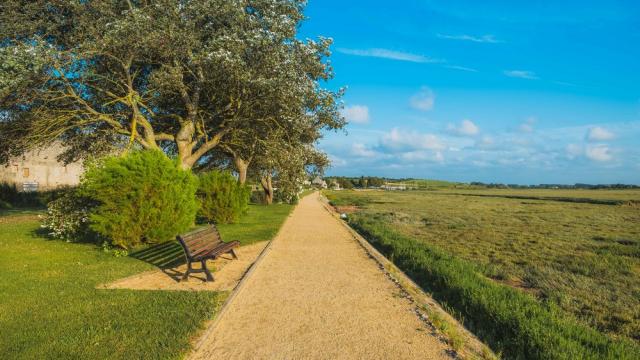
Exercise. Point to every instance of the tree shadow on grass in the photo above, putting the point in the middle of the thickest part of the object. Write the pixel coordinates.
(166, 257)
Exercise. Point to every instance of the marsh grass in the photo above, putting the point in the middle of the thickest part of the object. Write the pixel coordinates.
(574, 260)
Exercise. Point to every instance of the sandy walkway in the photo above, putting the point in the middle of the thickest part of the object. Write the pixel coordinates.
(317, 295)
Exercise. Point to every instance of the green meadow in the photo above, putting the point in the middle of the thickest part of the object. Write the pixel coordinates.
(567, 262)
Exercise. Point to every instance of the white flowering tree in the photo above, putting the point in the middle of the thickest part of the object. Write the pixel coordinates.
(177, 75)
(285, 161)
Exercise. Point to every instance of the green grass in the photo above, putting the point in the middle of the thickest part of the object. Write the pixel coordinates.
(577, 262)
(261, 223)
(50, 308)
(598, 197)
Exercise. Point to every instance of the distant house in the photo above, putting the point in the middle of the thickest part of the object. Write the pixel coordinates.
(319, 182)
(335, 185)
(393, 187)
(40, 170)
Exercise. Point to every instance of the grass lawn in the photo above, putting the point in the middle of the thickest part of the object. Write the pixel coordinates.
(49, 307)
(261, 223)
(579, 258)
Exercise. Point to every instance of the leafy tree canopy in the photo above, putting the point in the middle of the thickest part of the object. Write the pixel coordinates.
(178, 75)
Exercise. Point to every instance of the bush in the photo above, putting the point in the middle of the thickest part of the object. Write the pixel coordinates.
(287, 194)
(511, 322)
(142, 197)
(67, 217)
(222, 199)
(8, 193)
(5, 205)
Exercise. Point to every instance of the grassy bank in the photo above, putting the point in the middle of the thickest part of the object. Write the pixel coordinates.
(580, 258)
(514, 324)
(50, 308)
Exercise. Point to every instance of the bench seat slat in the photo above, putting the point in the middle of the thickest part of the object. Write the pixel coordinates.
(220, 249)
(214, 251)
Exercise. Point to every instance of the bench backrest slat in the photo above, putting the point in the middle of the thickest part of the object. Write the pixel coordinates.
(200, 240)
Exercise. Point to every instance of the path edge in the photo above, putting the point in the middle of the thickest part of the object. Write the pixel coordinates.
(473, 347)
(213, 324)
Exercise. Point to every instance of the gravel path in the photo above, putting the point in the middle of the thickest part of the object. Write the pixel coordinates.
(317, 295)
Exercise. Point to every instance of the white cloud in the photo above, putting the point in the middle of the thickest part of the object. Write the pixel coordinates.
(599, 134)
(527, 126)
(479, 39)
(337, 161)
(574, 150)
(522, 74)
(397, 140)
(360, 150)
(461, 68)
(424, 100)
(485, 142)
(421, 155)
(389, 54)
(553, 154)
(358, 114)
(599, 152)
(466, 128)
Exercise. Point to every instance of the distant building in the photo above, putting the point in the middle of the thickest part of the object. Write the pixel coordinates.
(319, 182)
(393, 187)
(335, 185)
(40, 170)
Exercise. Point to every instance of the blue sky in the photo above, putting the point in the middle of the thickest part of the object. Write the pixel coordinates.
(496, 91)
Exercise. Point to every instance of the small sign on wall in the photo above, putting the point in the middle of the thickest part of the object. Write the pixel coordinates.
(30, 186)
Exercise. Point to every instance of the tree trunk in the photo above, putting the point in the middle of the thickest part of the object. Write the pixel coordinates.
(241, 166)
(267, 186)
(185, 144)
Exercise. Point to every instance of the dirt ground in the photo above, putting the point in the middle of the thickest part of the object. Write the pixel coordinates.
(316, 294)
(226, 272)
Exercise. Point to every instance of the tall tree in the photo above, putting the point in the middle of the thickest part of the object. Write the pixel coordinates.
(286, 161)
(178, 75)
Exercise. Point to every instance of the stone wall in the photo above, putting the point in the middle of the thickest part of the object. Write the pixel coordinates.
(42, 168)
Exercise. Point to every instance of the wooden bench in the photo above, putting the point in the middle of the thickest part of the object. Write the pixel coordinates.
(202, 245)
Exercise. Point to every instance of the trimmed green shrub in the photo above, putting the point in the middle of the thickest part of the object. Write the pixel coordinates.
(509, 321)
(222, 199)
(142, 197)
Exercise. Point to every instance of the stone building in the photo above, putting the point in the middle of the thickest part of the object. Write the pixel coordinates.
(319, 182)
(40, 170)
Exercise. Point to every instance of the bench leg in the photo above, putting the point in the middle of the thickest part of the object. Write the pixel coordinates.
(233, 253)
(206, 270)
(185, 277)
